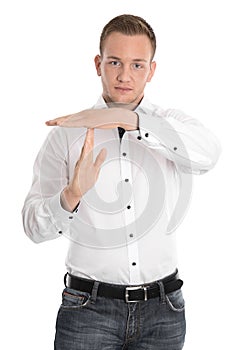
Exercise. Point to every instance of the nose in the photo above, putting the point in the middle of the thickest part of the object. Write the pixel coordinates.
(124, 74)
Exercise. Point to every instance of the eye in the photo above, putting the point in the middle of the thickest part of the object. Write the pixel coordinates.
(115, 63)
(137, 66)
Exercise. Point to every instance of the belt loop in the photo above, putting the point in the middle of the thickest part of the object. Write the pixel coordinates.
(162, 292)
(65, 279)
(94, 292)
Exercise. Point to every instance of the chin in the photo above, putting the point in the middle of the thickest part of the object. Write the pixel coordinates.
(124, 100)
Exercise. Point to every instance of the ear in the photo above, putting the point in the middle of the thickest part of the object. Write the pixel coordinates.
(97, 64)
(152, 70)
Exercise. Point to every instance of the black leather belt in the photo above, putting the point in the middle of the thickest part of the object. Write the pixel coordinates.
(128, 293)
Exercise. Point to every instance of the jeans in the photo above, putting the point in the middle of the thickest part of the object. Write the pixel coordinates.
(87, 322)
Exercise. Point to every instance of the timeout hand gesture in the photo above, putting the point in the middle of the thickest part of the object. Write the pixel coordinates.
(86, 170)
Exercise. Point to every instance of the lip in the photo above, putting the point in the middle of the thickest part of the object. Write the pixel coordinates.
(123, 88)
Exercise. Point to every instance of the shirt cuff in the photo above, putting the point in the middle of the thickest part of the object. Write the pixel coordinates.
(149, 127)
(56, 210)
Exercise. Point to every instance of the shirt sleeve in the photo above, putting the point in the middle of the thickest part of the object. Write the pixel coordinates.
(180, 138)
(43, 216)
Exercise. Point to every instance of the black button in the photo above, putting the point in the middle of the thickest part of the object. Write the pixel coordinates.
(147, 134)
(139, 137)
(134, 263)
(128, 207)
(126, 180)
(124, 154)
(60, 232)
(175, 148)
(131, 235)
(71, 217)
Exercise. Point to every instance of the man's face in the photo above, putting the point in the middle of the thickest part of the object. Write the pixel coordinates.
(125, 67)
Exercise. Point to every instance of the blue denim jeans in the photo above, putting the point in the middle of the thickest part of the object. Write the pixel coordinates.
(89, 322)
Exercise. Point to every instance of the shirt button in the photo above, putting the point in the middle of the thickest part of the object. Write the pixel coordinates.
(126, 180)
(70, 217)
(175, 148)
(139, 137)
(146, 135)
(124, 154)
(131, 235)
(60, 232)
(129, 206)
(134, 263)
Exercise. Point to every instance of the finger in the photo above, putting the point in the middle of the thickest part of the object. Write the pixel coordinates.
(87, 149)
(61, 121)
(89, 140)
(100, 158)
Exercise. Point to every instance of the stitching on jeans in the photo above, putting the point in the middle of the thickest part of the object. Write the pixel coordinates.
(75, 296)
(79, 298)
(137, 332)
(173, 307)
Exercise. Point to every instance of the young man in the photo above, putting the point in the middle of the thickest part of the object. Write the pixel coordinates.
(114, 180)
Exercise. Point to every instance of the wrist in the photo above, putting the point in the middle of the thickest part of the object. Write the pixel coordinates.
(131, 123)
(69, 200)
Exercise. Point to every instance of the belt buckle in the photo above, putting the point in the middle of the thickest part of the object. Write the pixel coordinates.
(127, 289)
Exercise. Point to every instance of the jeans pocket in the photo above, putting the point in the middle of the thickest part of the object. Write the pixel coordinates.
(74, 299)
(175, 301)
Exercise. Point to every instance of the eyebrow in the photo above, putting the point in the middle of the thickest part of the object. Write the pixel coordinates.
(134, 60)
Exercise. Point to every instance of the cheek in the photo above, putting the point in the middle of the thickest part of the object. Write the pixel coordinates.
(105, 72)
(108, 77)
(143, 78)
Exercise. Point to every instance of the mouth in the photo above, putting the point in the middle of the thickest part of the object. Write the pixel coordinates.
(123, 89)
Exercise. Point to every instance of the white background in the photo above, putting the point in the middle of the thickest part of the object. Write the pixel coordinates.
(47, 70)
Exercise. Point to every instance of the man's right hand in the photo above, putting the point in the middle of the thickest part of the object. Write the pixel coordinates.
(85, 173)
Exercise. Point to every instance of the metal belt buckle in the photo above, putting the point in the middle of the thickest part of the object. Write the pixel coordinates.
(127, 289)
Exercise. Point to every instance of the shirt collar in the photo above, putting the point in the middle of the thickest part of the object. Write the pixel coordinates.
(100, 104)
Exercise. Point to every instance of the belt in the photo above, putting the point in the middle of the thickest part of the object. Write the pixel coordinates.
(128, 293)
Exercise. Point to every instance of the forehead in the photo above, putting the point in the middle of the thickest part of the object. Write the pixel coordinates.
(130, 46)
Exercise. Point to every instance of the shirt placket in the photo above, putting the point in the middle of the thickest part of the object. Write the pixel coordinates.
(129, 212)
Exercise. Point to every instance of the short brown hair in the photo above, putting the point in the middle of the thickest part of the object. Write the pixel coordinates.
(128, 25)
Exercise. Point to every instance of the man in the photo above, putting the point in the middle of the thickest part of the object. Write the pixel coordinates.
(116, 180)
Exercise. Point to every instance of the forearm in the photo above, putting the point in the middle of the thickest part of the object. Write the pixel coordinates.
(109, 118)
(181, 139)
(43, 216)
(44, 220)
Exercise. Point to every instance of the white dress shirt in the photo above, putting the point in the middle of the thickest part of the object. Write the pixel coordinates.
(123, 230)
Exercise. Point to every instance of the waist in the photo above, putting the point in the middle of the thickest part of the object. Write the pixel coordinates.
(129, 293)
(117, 266)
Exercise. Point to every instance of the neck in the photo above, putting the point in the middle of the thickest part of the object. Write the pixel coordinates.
(130, 106)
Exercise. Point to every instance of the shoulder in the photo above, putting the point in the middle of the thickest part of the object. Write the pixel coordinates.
(166, 113)
(60, 138)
